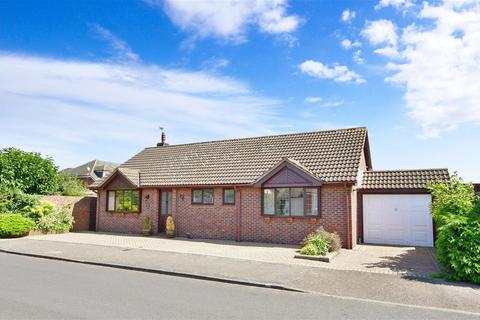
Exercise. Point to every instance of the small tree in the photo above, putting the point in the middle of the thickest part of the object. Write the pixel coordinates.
(69, 185)
(28, 172)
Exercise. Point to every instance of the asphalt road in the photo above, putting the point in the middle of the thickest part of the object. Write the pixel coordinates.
(33, 288)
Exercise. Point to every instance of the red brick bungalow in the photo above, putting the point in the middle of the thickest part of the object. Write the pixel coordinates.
(265, 189)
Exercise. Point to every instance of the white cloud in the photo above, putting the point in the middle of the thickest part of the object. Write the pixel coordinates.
(121, 49)
(357, 57)
(215, 64)
(389, 52)
(347, 44)
(229, 19)
(77, 110)
(348, 15)
(324, 102)
(440, 67)
(380, 32)
(313, 99)
(338, 73)
(397, 4)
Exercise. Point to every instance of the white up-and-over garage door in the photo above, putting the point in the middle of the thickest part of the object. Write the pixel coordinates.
(398, 219)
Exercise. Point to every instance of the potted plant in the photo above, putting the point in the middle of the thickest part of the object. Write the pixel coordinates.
(170, 227)
(147, 226)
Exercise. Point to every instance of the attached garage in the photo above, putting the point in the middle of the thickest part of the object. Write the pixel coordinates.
(398, 219)
(394, 207)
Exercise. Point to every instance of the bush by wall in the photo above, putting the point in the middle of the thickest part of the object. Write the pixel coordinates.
(59, 221)
(320, 242)
(14, 225)
(456, 210)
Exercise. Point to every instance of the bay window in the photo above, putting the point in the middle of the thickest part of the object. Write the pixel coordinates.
(291, 202)
(123, 201)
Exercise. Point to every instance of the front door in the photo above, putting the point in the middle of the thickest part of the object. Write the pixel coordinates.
(165, 209)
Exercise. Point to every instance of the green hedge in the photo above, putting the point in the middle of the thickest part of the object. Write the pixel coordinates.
(456, 209)
(14, 225)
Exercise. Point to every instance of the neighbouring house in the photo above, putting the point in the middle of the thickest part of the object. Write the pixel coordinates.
(269, 189)
(476, 187)
(91, 171)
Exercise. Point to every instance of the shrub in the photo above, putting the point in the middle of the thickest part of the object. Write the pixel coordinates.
(16, 201)
(69, 185)
(456, 210)
(320, 242)
(14, 225)
(43, 208)
(458, 250)
(59, 221)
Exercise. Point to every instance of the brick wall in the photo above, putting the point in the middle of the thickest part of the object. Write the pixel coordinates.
(292, 230)
(128, 222)
(80, 207)
(215, 221)
(220, 221)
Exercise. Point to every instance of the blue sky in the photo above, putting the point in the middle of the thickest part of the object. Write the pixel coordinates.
(95, 79)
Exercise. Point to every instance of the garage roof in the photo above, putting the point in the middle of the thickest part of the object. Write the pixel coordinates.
(403, 179)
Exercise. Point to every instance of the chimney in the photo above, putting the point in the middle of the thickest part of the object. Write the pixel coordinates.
(163, 142)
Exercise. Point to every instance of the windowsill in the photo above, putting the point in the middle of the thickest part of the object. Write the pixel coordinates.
(229, 204)
(202, 204)
(123, 212)
(290, 217)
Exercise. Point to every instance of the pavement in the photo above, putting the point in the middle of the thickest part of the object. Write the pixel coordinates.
(47, 289)
(360, 285)
(412, 261)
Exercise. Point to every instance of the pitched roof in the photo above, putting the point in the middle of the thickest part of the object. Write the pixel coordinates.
(328, 155)
(132, 175)
(403, 179)
(88, 169)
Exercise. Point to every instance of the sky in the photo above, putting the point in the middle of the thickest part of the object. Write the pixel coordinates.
(83, 80)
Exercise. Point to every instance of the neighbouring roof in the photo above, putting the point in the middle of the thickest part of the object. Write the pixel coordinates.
(330, 156)
(88, 169)
(403, 179)
(476, 187)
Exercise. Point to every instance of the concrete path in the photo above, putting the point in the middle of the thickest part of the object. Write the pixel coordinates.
(362, 286)
(46, 289)
(369, 258)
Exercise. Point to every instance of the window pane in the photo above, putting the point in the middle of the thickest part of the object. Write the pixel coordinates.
(311, 201)
(111, 201)
(118, 200)
(166, 202)
(283, 201)
(229, 196)
(135, 206)
(296, 198)
(169, 199)
(268, 202)
(208, 196)
(127, 200)
(197, 196)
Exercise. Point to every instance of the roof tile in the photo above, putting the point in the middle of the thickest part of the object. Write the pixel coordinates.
(329, 155)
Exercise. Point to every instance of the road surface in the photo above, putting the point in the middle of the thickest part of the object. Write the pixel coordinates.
(33, 288)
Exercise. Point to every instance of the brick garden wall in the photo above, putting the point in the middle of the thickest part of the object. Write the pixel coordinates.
(80, 207)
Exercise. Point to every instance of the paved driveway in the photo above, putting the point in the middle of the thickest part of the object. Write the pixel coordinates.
(366, 258)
